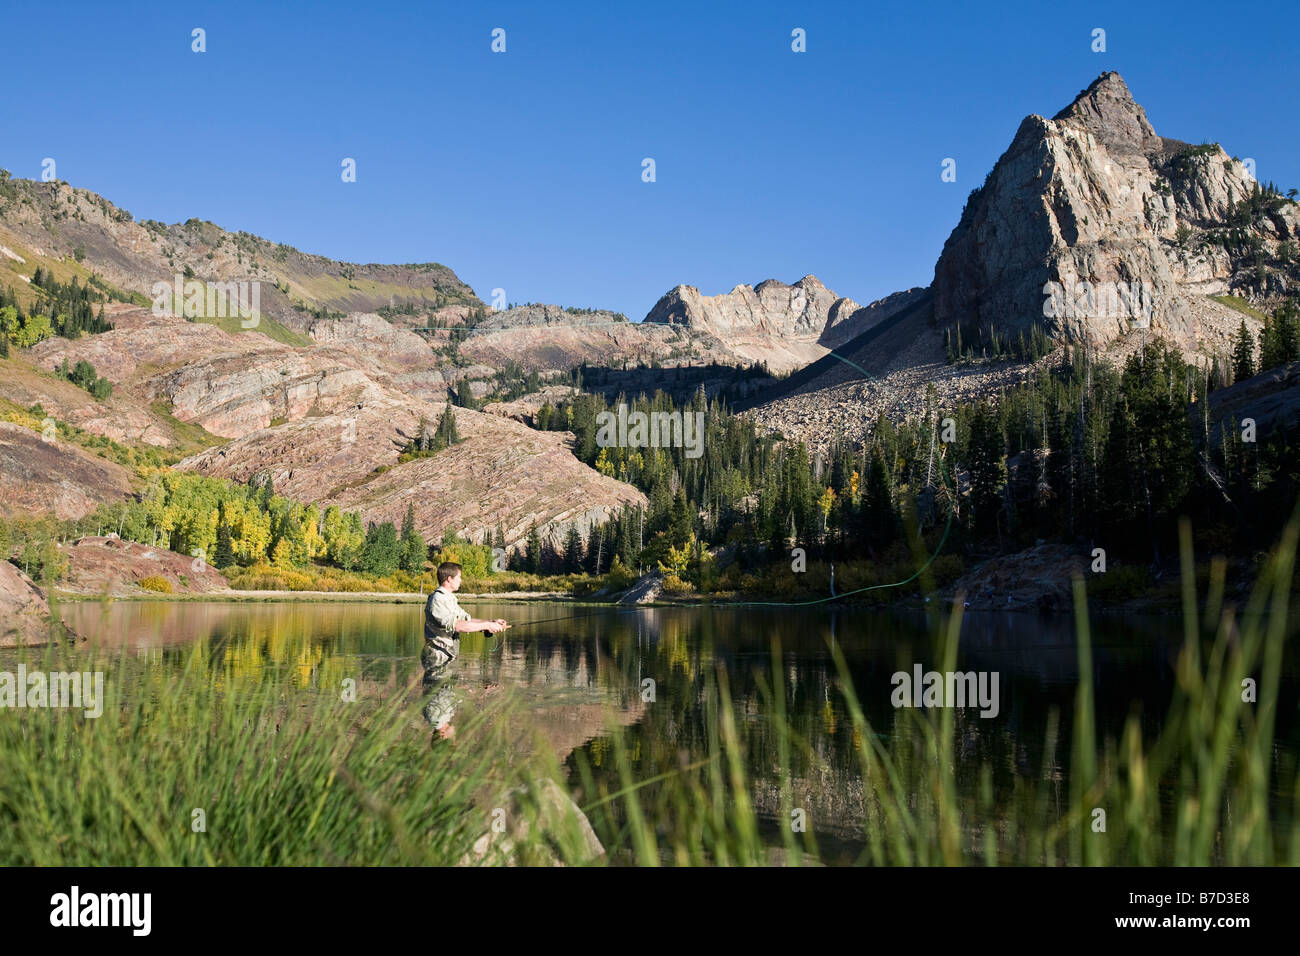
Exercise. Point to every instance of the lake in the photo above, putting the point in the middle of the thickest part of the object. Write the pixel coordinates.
(570, 672)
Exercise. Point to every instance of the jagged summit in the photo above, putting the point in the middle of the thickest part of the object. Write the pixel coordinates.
(1107, 110)
(1095, 196)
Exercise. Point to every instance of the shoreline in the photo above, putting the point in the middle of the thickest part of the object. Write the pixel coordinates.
(232, 595)
(1152, 605)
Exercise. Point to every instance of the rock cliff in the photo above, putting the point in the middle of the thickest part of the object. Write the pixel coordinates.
(1093, 195)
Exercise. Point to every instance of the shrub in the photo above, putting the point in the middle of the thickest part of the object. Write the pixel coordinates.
(156, 582)
(675, 585)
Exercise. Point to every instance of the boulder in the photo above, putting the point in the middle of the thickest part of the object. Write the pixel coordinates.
(24, 611)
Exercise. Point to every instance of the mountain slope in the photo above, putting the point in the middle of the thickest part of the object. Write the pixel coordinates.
(74, 230)
(1093, 196)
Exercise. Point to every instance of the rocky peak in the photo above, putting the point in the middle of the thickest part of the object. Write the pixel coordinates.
(801, 311)
(1093, 226)
(1106, 109)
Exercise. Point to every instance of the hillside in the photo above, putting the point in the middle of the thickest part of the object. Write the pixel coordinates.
(75, 232)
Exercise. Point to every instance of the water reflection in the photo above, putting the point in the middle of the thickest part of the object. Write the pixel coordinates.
(569, 677)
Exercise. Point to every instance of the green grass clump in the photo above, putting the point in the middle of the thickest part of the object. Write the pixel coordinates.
(266, 325)
(1239, 304)
(283, 775)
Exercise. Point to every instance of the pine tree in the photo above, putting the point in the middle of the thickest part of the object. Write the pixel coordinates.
(413, 550)
(446, 435)
(1243, 355)
(224, 555)
(681, 527)
(987, 471)
(533, 560)
(381, 554)
(573, 551)
(878, 504)
(1280, 341)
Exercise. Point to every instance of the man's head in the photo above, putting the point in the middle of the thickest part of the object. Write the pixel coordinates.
(449, 575)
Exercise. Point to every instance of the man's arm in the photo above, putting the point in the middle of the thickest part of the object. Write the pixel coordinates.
(472, 624)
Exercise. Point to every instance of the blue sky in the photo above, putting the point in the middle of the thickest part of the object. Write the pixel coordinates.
(522, 170)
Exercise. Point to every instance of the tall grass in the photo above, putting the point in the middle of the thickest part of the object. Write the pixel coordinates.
(282, 775)
(294, 776)
(1209, 790)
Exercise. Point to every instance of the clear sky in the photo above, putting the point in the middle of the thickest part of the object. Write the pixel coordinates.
(523, 169)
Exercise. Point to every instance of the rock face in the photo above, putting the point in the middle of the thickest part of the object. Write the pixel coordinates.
(842, 328)
(44, 477)
(24, 612)
(1095, 195)
(547, 338)
(233, 394)
(503, 473)
(367, 331)
(784, 326)
(109, 565)
(771, 322)
(525, 408)
(1271, 399)
(799, 311)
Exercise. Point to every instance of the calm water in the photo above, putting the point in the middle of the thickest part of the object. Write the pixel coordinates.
(569, 678)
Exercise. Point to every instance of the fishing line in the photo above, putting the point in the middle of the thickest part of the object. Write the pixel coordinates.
(605, 612)
(728, 604)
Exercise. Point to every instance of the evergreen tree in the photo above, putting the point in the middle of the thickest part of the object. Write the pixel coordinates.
(878, 504)
(987, 470)
(573, 551)
(446, 435)
(381, 554)
(682, 526)
(224, 555)
(1119, 491)
(1243, 354)
(1279, 342)
(413, 550)
(533, 560)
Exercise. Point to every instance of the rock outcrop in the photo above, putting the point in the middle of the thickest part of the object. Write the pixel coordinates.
(24, 612)
(771, 308)
(1093, 195)
(53, 477)
(1271, 400)
(109, 565)
(503, 473)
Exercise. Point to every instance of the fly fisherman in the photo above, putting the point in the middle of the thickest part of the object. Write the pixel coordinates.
(444, 621)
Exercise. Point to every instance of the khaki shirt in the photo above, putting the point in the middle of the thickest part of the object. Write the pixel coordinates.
(441, 612)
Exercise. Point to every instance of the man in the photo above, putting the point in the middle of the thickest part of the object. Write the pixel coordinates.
(444, 622)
